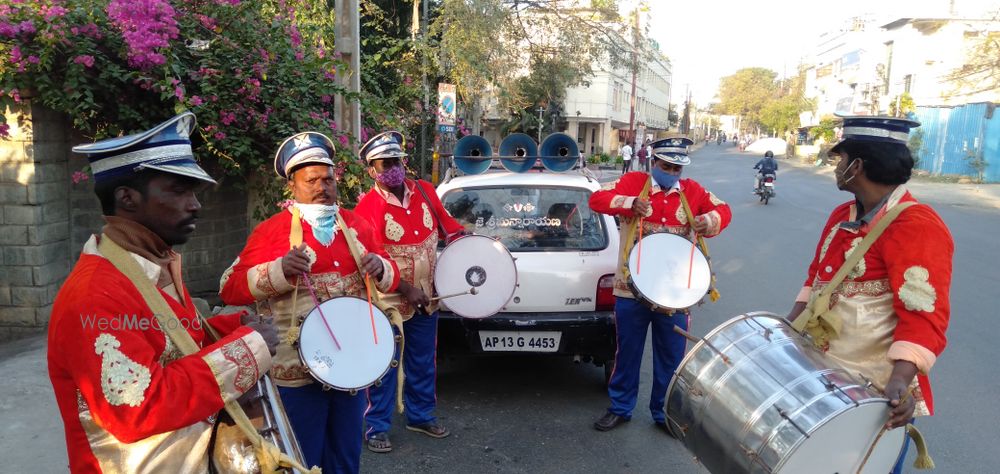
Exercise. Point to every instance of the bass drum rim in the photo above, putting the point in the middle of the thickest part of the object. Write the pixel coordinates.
(317, 379)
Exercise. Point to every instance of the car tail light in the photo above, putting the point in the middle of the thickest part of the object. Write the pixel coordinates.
(605, 293)
(769, 179)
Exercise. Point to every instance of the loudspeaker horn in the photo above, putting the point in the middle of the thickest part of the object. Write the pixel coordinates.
(559, 152)
(518, 153)
(473, 154)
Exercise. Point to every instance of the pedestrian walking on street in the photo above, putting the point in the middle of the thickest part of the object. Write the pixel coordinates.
(890, 307)
(410, 220)
(662, 211)
(626, 154)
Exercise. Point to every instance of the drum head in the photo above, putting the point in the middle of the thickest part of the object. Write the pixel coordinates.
(360, 361)
(673, 273)
(842, 442)
(479, 262)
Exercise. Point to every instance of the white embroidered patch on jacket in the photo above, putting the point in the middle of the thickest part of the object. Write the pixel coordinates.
(393, 230)
(681, 215)
(715, 199)
(861, 267)
(428, 220)
(123, 381)
(228, 273)
(310, 256)
(917, 293)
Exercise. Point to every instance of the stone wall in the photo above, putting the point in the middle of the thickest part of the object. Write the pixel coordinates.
(45, 219)
(34, 232)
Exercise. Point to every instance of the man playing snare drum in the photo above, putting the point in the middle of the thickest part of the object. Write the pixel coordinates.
(328, 423)
(661, 211)
(892, 308)
(409, 218)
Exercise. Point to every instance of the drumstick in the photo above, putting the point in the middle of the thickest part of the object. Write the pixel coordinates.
(470, 291)
(638, 250)
(696, 339)
(691, 264)
(371, 310)
(320, 309)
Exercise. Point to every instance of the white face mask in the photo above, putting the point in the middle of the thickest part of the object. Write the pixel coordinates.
(322, 219)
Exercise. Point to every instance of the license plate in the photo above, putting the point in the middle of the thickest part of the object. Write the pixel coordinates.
(520, 341)
(768, 184)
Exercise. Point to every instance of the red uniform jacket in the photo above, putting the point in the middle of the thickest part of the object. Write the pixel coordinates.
(410, 233)
(256, 277)
(128, 398)
(894, 303)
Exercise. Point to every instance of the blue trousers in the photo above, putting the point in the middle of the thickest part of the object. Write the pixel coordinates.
(632, 319)
(898, 468)
(328, 425)
(420, 369)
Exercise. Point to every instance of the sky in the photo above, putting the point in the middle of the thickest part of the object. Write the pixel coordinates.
(709, 39)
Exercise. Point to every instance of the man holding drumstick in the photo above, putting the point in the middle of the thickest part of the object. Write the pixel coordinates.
(409, 218)
(305, 239)
(661, 211)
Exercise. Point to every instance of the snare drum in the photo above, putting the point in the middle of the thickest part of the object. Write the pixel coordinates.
(367, 344)
(480, 262)
(672, 274)
(771, 402)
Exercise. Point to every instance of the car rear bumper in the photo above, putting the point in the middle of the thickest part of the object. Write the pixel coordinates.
(586, 334)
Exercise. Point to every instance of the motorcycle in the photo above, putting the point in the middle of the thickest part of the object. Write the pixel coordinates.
(765, 188)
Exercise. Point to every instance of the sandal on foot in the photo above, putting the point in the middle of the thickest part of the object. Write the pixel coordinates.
(379, 443)
(431, 429)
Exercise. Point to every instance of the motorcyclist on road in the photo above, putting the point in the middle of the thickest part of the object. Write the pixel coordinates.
(765, 166)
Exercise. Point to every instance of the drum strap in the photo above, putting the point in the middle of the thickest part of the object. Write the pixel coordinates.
(631, 229)
(394, 316)
(713, 292)
(817, 319)
(268, 455)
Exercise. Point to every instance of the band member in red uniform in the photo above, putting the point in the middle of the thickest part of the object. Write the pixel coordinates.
(129, 399)
(409, 218)
(662, 212)
(328, 423)
(893, 307)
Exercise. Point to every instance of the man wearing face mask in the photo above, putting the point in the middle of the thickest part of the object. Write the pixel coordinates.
(888, 317)
(661, 211)
(327, 423)
(410, 219)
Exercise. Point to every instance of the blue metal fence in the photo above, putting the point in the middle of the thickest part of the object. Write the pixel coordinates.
(955, 136)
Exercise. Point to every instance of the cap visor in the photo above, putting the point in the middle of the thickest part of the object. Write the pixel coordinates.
(190, 171)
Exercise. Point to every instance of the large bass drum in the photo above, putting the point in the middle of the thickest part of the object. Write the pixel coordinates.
(346, 344)
(756, 396)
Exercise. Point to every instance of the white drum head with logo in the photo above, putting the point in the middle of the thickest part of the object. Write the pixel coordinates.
(367, 344)
(478, 262)
(673, 273)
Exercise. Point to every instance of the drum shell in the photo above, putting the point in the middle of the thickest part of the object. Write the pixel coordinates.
(233, 452)
(728, 414)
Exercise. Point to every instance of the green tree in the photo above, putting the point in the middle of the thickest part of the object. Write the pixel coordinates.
(781, 113)
(747, 93)
(981, 70)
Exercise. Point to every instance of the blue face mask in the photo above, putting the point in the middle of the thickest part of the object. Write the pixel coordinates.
(664, 179)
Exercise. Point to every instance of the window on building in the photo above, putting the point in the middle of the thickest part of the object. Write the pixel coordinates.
(907, 82)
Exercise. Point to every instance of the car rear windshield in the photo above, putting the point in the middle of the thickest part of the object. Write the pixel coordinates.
(530, 218)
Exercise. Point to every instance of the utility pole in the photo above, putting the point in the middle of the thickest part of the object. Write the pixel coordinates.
(540, 110)
(635, 68)
(348, 44)
(427, 96)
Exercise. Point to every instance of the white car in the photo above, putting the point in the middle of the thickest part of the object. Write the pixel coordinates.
(565, 255)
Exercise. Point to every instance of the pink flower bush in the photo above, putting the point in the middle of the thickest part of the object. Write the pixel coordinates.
(146, 26)
(79, 177)
(85, 59)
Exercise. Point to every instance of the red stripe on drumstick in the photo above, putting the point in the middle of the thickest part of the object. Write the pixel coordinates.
(371, 310)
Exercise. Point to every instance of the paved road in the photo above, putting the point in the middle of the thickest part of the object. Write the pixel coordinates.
(531, 414)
